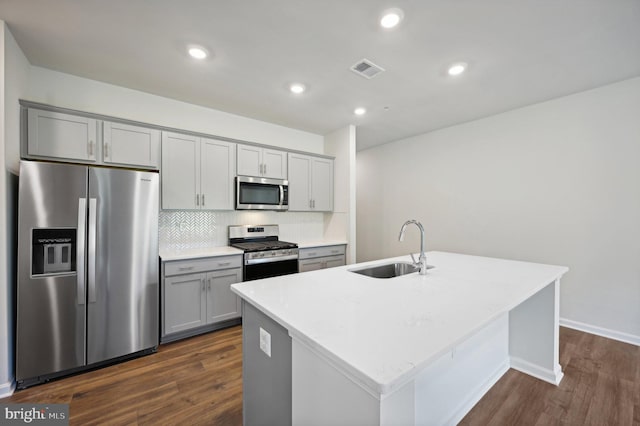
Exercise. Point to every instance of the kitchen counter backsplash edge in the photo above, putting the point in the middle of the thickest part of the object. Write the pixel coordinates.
(199, 252)
(320, 243)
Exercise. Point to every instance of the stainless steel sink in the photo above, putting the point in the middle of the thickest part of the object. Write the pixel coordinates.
(388, 270)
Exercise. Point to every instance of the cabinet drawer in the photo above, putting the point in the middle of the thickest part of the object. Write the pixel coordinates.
(310, 253)
(179, 267)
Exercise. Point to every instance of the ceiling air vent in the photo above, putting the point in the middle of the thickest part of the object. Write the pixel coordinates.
(366, 68)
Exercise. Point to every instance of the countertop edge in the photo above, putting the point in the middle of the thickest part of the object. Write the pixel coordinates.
(321, 243)
(168, 256)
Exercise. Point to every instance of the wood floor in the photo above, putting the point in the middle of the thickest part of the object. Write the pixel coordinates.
(198, 381)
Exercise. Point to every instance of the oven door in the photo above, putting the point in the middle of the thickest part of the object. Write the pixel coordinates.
(263, 269)
(254, 193)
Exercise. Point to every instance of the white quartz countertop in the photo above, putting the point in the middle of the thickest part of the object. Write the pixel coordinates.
(321, 243)
(383, 332)
(193, 253)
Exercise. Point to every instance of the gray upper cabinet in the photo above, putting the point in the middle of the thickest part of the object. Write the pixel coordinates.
(74, 138)
(310, 183)
(197, 173)
(217, 174)
(62, 136)
(130, 145)
(180, 172)
(261, 162)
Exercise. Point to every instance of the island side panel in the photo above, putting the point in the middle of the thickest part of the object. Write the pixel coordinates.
(266, 380)
(534, 335)
(324, 396)
(451, 385)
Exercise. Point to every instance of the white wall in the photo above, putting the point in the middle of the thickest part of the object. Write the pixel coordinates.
(13, 84)
(340, 224)
(65, 90)
(557, 182)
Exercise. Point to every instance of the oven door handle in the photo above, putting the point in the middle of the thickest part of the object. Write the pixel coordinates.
(270, 259)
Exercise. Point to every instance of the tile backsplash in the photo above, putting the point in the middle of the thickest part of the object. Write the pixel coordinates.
(183, 229)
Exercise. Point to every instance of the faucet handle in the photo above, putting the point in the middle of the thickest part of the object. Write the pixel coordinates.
(413, 259)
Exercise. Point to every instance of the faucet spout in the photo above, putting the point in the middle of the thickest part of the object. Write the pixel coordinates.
(422, 260)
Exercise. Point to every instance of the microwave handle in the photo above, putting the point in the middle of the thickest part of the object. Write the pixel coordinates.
(281, 194)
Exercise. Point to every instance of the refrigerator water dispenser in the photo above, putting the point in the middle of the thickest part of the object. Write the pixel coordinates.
(53, 251)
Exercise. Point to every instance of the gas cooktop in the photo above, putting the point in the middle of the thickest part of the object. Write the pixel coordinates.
(251, 238)
(264, 245)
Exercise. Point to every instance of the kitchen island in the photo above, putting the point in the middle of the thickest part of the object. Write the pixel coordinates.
(336, 347)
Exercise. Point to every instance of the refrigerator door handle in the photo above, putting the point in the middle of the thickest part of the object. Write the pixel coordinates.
(92, 250)
(82, 226)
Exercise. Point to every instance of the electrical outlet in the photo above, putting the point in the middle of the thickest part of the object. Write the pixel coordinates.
(265, 342)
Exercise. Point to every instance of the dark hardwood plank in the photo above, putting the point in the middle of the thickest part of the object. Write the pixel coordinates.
(193, 381)
(198, 381)
(601, 386)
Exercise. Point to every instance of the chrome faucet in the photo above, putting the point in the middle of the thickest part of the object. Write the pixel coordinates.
(422, 260)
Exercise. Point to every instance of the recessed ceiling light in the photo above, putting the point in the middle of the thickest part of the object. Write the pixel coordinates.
(457, 68)
(297, 88)
(391, 18)
(359, 111)
(198, 52)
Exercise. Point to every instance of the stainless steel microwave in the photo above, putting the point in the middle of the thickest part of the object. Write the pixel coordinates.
(255, 193)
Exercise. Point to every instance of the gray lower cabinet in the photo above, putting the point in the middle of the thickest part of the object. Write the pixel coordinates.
(222, 303)
(184, 306)
(314, 258)
(196, 296)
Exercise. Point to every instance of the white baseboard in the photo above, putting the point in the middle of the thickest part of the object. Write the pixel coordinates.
(477, 394)
(6, 389)
(601, 331)
(550, 376)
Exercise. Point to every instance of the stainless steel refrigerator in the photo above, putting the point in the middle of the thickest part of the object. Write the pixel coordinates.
(87, 267)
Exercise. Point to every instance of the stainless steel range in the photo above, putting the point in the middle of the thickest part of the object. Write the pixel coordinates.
(264, 254)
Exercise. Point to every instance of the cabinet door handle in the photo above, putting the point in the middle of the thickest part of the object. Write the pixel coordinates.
(202, 281)
(312, 254)
(185, 268)
(203, 199)
(314, 203)
(197, 199)
(209, 284)
(106, 150)
(265, 169)
(90, 148)
(335, 251)
(224, 263)
(309, 202)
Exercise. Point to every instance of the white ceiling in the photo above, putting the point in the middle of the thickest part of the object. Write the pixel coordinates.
(519, 53)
